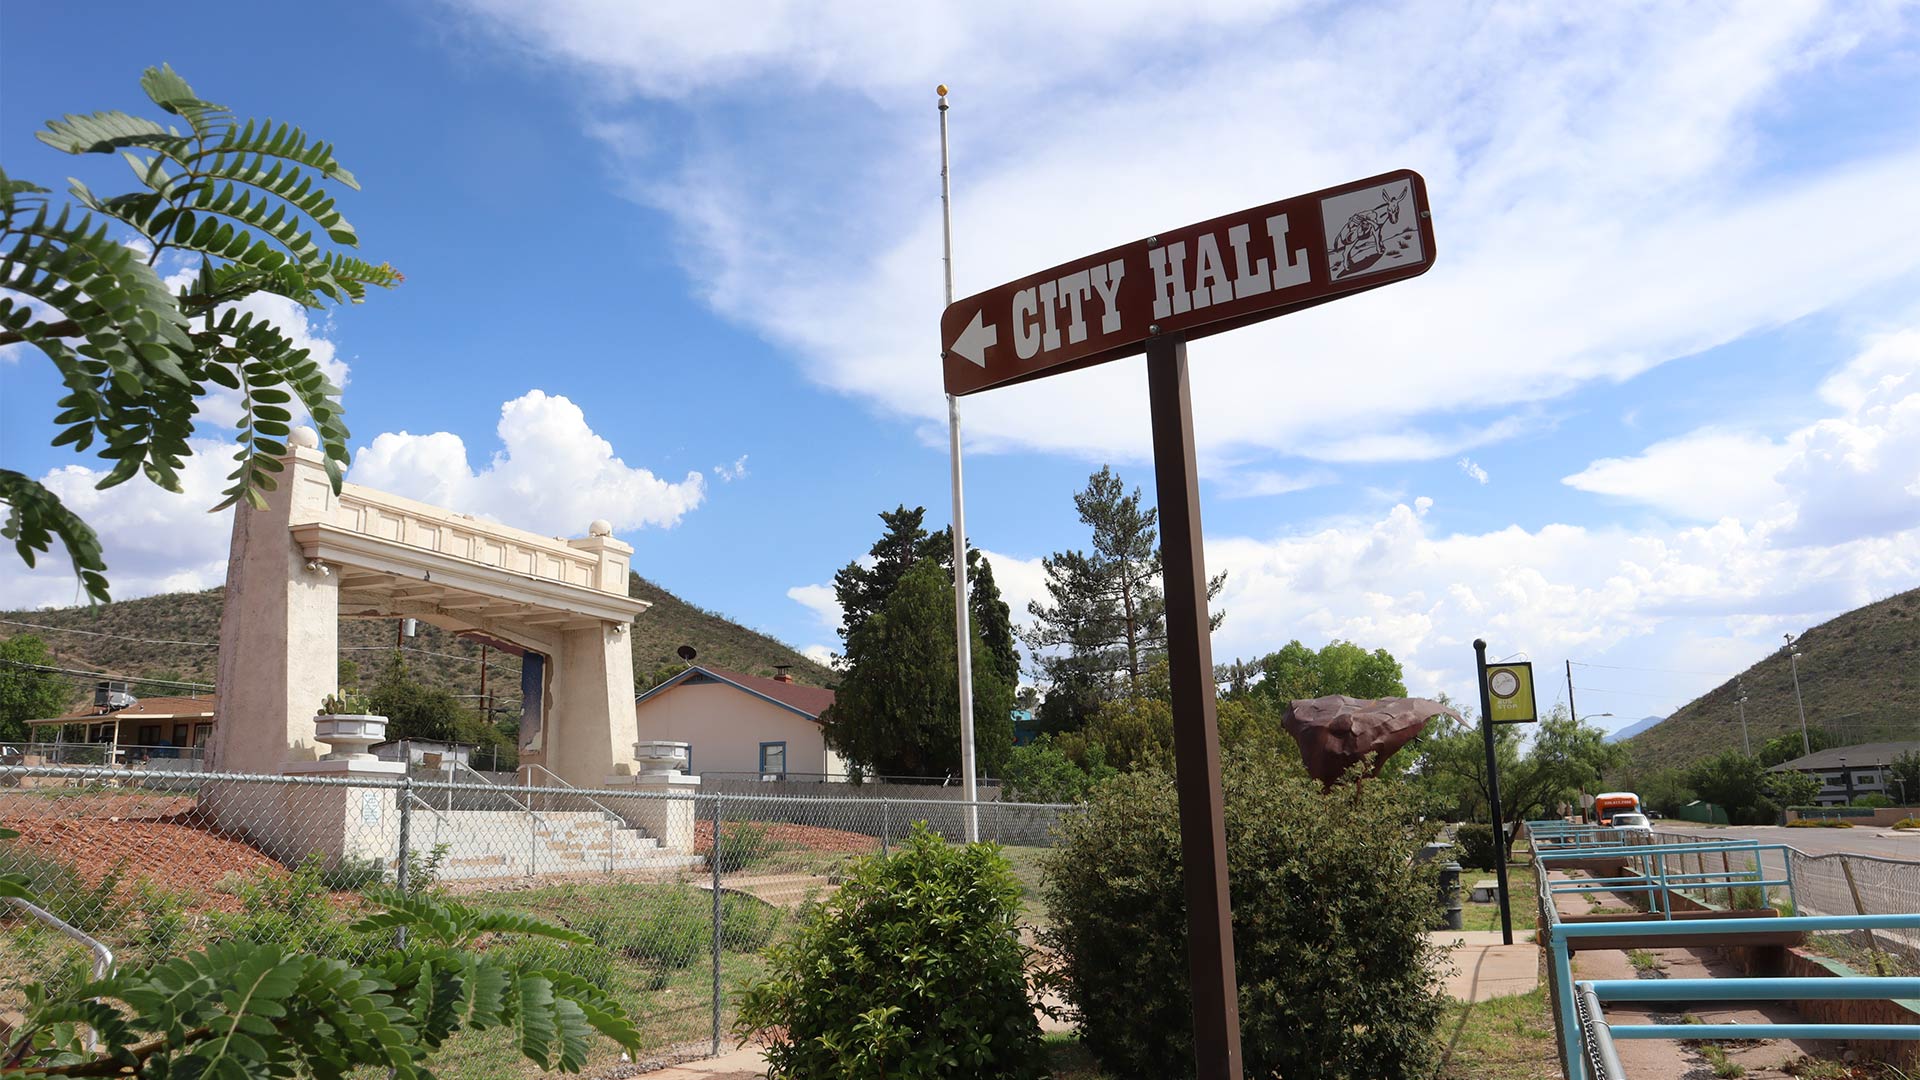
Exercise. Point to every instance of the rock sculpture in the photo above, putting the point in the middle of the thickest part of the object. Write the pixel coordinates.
(1337, 732)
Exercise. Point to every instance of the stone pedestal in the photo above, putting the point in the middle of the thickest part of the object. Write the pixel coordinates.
(659, 814)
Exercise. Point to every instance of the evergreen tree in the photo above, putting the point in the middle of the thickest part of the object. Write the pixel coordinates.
(1105, 624)
(897, 713)
(862, 590)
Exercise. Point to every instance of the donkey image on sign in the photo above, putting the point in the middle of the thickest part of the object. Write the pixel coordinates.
(1368, 237)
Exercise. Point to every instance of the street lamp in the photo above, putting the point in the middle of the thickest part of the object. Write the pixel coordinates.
(1793, 656)
(1746, 745)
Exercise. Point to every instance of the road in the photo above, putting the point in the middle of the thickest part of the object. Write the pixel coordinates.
(1855, 841)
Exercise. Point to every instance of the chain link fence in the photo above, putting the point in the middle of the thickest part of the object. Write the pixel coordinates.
(682, 893)
(1841, 883)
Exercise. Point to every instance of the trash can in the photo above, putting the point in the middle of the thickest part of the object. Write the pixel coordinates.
(1450, 895)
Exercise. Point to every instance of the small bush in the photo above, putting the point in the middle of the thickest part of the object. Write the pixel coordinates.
(1476, 847)
(747, 924)
(1335, 968)
(1907, 823)
(353, 875)
(161, 927)
(1873, 800)
(589, 962)
(746, 843)
(296, 912)
(912, 971)
(58, 888)
(1819, 823)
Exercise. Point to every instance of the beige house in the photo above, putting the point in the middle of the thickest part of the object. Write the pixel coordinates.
(742, 725)
(127, 732)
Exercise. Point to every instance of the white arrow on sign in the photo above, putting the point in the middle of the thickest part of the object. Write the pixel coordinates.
(976, 339)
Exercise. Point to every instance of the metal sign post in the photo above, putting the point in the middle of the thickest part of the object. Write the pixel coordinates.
(1196, 736)
(1153, 296)
(1493, 791)
(1506, 697)
(962, 633)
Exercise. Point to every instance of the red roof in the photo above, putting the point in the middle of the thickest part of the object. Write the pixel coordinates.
(811, 700)
(156, 708)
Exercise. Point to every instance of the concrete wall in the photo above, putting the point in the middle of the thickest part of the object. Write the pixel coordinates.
(725, 727)
(1880, 817)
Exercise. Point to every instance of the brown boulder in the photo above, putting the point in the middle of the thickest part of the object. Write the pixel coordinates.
(1336, 732)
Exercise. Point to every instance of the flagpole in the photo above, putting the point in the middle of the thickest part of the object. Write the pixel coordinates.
(962, 631)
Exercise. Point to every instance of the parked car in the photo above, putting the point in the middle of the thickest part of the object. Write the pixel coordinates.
(1632, 823)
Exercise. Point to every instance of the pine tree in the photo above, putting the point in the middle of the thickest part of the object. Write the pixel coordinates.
(1106, 623)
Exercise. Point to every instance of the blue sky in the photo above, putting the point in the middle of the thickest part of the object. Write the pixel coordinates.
(1657, 403)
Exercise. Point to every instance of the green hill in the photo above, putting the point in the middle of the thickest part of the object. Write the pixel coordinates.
(1859, 677)
(164, 637)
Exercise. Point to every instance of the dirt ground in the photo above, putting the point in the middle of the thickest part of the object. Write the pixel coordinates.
(174, 854)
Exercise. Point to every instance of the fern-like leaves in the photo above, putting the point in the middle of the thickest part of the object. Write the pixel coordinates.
(243, 1010)
(250, 199)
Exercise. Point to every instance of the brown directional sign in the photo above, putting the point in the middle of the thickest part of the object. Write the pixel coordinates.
(1190, 282)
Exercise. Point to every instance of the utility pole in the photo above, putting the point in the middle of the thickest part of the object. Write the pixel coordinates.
(1746, 745)
(1793, 657)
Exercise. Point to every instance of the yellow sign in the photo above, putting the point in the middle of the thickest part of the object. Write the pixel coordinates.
(1510, 694)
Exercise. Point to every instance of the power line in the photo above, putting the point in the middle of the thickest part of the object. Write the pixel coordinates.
(48, 669)
(117, 637)
(1661, 670)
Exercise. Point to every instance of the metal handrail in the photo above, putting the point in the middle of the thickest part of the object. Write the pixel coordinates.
(597, 804)
(102, 955)
(501, 788)
(1587, 1040)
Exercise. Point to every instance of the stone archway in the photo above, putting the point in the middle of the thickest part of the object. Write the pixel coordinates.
(310, 556)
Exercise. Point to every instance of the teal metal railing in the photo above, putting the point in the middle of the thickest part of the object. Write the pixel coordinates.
(1656, 869)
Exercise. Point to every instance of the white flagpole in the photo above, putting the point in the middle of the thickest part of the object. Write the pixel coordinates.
(962, 630)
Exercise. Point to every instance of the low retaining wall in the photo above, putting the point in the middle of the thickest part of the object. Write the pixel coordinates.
(1860, 817)
(1800, 964)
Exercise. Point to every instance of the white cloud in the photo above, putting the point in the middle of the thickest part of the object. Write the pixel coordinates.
(1701, 476)
(552, 474)
(821, 654)
(154, 540)
(1473, 471)
(1854, 474)
(729, 473)
(820, 600)
(1700, 598)
(1578, 195)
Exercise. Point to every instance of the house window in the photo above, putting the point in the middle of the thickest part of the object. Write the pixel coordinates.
(182, 734)
(200, 733)
(773, 759)
(149, 735)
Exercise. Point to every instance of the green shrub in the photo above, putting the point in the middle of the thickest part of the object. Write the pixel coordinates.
(1476, 847)
(58, 888)
(1819, 823)
(161, 928)
(1907, 823)
(296, 912)
(1337, 976)
(913, 970)
(353, 875)
(1873, 800)
(747, 924)
(746, 843)
(591, 963)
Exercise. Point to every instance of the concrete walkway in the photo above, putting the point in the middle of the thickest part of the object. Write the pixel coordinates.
(1482, 967)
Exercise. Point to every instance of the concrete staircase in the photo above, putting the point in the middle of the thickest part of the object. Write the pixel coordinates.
(514, 843)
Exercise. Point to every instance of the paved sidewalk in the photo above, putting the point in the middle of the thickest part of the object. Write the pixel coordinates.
(742, 1064)
(1483, 968)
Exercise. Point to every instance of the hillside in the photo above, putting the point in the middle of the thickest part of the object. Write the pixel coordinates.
(165, 636)
(1859, 676)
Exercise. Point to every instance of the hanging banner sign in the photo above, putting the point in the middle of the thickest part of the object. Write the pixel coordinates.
(1202, 279)
(1510, 694)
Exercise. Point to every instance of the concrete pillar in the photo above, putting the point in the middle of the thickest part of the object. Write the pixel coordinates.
(591, 726)
(279, 636)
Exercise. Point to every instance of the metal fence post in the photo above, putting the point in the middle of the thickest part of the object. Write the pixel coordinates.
(401, 867)
(713, 856)
(886, 823)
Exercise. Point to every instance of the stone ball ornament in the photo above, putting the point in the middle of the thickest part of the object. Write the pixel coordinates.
(1337, 732)
(303, 436)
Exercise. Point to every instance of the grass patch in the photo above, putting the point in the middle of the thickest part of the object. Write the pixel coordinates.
(1067, 1059)
(1643, 960)
(1507, 1038)
(1487, 916)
